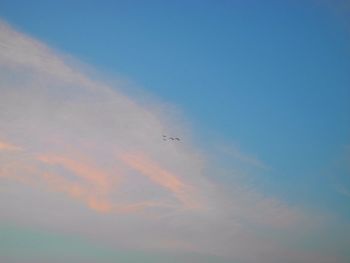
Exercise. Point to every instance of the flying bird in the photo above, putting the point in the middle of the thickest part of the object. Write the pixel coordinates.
(166, 138)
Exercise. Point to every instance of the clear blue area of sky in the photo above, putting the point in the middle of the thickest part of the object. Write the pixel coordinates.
(270, 76)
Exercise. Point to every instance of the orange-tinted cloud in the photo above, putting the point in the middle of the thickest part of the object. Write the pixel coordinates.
(77, 191)
(91, 197)
(181, 190)
(95, 189)
(9, 147)
(96, 177)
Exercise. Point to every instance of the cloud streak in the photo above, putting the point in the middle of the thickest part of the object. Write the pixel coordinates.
(8, 147)
(161, 177)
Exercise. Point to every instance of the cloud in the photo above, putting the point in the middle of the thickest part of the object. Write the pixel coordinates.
(343, 191)
(82, 157)
(161, 177)
(8, 147)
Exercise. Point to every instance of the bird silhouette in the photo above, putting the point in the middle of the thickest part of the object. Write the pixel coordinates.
(166, 138)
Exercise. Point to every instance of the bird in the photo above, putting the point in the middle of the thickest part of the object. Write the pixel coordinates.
(166, 138)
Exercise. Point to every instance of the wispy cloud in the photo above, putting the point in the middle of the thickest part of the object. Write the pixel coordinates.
(342, 190)
(83, 144)
(8, 147)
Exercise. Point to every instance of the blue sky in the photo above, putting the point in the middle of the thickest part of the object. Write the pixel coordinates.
(268, 78)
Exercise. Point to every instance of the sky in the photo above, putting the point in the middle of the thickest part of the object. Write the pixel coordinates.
(257, 92)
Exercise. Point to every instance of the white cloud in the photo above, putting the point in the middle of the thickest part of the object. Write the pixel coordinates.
(80, 156)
